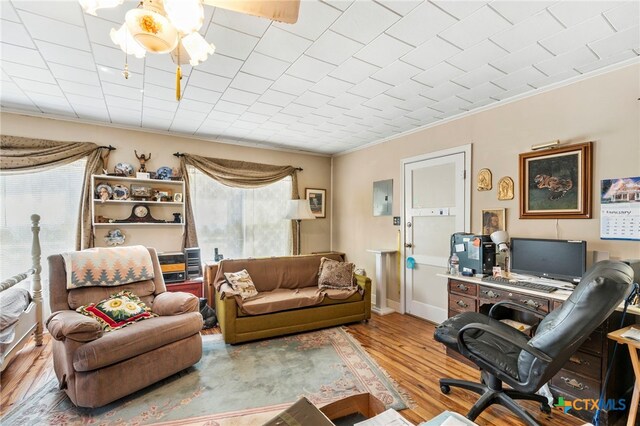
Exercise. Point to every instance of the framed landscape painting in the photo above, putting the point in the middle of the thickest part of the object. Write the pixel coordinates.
(556, 184)
(317, 201)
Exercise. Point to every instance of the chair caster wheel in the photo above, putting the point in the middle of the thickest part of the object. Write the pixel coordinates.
(445, 389)
(544, 407)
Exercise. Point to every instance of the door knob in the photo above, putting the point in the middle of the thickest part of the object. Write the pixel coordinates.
(408, 245)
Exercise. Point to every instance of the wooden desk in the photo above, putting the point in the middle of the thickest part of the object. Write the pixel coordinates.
(633, 346)
(583, 375)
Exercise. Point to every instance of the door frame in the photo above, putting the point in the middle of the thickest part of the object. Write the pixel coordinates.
(466, 209)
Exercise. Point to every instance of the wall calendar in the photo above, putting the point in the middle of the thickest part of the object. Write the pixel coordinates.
(620, 209)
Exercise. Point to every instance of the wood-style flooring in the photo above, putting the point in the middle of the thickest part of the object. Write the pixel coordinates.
(401, 344)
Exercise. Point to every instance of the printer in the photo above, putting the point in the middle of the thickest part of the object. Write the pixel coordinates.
(476, 253)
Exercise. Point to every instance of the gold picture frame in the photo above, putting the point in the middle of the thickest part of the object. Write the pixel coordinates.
(556, 184)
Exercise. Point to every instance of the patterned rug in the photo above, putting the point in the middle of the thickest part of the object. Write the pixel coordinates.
(245, 384)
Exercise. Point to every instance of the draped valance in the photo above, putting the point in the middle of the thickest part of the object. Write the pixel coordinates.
(234, 173)
(19, 154)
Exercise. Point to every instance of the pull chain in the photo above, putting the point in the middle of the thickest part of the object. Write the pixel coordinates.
(178, 72)
(125, 73)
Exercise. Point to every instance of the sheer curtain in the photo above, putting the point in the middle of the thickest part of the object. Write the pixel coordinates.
(240, 222)
(55, 195)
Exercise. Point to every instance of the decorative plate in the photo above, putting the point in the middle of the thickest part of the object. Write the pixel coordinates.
(123, 169)
(164, 173)
(120, 192)
(114, 237)
(104, 191)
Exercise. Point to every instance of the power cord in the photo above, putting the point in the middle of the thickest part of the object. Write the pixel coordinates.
(635, 291)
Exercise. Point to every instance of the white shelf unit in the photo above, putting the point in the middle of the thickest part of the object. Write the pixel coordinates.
(122, 209)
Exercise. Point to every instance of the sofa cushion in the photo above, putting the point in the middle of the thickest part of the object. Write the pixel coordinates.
(137, 339)
(335, 274)
(119, 310)
(242, 284)
(284, 300)
(277, 272)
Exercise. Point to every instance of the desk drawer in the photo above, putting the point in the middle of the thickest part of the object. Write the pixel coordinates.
(461, 287)
(593, 343)
(577, 385)
(460, 303)
(585, 364)
(494, 295)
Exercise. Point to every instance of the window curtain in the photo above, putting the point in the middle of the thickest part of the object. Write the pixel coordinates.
(238, 174)
(19, 155)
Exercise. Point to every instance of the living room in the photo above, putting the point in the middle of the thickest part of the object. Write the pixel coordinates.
(340, 137)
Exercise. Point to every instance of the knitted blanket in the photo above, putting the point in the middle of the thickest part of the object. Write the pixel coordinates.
(105, 267)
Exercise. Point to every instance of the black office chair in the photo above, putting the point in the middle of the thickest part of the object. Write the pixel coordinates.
(507, 355)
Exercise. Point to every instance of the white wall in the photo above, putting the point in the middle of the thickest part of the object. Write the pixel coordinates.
(316, 169)
(603, 109)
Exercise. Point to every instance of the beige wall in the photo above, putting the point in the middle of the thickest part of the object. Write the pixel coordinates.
(316, 169)
(603, 109)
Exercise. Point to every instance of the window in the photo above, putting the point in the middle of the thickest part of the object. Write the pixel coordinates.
(54, 194)
(240, 222)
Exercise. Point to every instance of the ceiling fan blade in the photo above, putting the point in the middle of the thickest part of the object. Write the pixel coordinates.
(277, 10)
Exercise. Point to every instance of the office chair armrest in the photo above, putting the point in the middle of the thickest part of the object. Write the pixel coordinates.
(500, 334)
(517, 306)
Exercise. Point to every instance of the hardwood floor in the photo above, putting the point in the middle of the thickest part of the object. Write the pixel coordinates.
(401, 344)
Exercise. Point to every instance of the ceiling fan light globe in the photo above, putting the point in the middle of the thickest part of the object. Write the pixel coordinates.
(186, 16)
(197, 48)
(123, 38)
(153, 31)
(90, 6)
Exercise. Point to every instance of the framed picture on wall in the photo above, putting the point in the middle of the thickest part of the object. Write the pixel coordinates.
(317, 201)
(493, 220)
(556, 184)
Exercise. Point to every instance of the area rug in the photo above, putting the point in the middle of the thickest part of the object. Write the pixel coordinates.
(232, 385)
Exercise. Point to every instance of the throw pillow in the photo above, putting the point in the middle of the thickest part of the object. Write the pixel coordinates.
(119, 310)
(335, 274)
(242, 283)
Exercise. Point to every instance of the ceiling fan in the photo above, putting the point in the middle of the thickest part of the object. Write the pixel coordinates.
(171, 26)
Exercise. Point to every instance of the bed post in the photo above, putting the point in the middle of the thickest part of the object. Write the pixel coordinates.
(36, 282)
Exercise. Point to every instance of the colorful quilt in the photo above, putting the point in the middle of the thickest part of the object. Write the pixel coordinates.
(107, 267)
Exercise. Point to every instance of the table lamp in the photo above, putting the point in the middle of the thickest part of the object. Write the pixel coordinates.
(299, 210)
(501, 240)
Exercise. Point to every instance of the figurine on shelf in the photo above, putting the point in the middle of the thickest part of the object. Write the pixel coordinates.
(104, 194)
(142, 158)
(114, 237)
(175, 174)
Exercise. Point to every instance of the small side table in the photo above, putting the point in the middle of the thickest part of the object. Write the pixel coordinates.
(210, 271)
(189, 286)
(633, 346)
(382, 258)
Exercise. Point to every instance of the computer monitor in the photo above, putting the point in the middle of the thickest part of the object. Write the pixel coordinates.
(558, 259)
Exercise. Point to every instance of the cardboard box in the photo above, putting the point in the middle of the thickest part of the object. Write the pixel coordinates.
(304, 413)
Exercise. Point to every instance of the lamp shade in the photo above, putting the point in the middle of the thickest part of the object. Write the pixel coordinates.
(299, 210)
(501, 239)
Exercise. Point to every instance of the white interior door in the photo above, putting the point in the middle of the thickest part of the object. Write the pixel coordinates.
(435, 202)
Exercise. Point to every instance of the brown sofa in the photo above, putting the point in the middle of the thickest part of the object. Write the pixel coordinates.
(289, 300)
(95, 367)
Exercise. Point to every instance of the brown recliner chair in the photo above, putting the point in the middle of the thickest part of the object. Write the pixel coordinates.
(95, 367)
